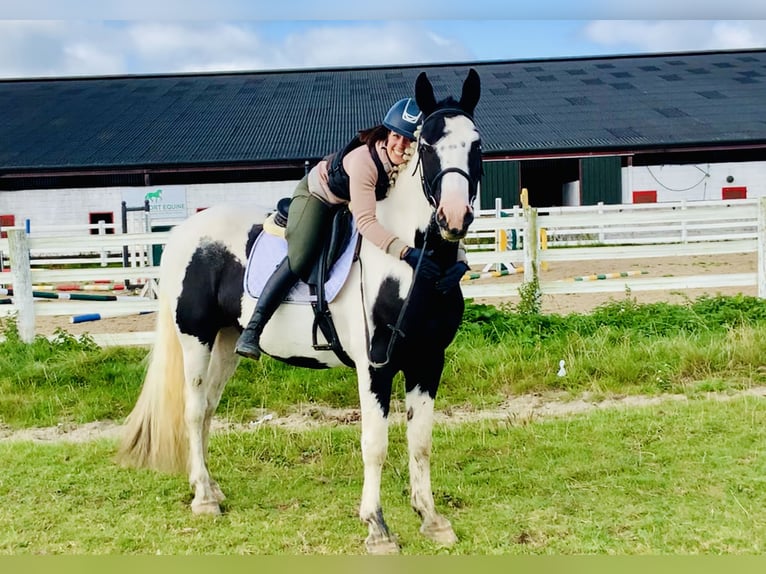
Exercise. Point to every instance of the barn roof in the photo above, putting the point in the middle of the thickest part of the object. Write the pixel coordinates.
(563, 105)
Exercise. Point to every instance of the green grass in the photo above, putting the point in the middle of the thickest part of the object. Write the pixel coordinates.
(679, 478)
(713, 343)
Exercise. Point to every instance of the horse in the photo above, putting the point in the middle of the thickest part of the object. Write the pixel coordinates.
(388, 320)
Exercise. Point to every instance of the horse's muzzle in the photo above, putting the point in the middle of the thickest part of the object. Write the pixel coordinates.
(451, 231)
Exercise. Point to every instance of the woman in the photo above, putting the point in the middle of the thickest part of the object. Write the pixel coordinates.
(360, 175)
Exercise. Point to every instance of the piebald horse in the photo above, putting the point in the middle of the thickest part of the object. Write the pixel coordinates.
(387, 317)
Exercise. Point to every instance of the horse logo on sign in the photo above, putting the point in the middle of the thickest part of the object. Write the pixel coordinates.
(154, 196)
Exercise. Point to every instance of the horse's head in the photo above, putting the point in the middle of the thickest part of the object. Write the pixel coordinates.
(449, 147)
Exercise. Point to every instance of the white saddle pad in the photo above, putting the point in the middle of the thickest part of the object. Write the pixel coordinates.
(269, 251)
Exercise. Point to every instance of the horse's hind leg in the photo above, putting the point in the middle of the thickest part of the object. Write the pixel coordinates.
(422, 381)
(223, 362)
(197, 365)
(374, 398)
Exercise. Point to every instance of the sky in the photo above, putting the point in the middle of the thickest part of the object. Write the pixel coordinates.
(58, 38)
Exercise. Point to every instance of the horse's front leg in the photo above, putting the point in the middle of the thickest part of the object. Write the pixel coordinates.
(422, 381)
(374, 399)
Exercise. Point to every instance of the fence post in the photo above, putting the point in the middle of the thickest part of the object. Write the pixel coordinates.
(601, 234)
(501, 238)
(102, 231)
(531, 235)
(22, 283)
(761, 276)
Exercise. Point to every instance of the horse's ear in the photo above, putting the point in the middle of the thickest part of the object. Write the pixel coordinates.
(471, 92)
(424, 94)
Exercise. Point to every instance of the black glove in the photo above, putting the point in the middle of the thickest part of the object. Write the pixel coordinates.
(428, 269)
(452, 277)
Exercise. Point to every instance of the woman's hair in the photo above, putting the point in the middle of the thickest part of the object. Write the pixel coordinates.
(374, 134)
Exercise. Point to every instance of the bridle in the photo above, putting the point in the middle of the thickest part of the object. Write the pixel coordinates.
(431, 185)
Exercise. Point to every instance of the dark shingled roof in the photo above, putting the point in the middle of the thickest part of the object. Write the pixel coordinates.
(571, 105)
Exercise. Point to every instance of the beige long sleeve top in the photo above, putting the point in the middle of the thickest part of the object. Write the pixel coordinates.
(363, 175)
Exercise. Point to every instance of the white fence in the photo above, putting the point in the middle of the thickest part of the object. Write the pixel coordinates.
(618, 232)
(540, 236)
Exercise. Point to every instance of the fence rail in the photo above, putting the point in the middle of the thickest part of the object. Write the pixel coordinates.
(620, 232)
(499, 239)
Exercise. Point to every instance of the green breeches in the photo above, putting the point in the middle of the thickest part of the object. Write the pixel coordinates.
(308, 224)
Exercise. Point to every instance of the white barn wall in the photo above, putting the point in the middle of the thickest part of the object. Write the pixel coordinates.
(70, 207)
(50, 208)
(694, 181)
(263, 194)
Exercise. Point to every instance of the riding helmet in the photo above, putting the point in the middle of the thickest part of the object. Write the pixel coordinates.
(403, 118)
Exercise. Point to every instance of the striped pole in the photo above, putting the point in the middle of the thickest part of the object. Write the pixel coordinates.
(73, 296)
(601, 276)
(489, 274)
(97, 286)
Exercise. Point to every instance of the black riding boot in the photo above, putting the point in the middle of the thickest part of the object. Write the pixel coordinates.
(275, 290)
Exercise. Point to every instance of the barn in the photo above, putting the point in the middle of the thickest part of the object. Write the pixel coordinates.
(573, 131)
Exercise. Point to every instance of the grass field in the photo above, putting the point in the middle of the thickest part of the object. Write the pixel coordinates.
(673, 477)
(676, 478)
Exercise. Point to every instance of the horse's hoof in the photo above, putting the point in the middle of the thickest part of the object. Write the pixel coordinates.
(440, 532)
(210, 507)
(381, 546)
(217, 492)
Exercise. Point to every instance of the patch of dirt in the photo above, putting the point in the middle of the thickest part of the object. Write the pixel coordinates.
(562, 304)
(647, 267)
(517, 410)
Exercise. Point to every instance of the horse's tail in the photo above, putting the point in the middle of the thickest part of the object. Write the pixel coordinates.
(155, 433)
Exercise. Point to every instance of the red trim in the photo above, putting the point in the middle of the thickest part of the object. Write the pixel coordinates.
(6, 221)
(645, 196)
(734, 192)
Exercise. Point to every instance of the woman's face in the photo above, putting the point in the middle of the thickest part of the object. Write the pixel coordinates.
(396, 146)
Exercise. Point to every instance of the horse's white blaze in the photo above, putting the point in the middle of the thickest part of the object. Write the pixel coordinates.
(452, 149)
(455, 200)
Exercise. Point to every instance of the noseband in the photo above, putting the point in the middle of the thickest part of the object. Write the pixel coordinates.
(433, 184)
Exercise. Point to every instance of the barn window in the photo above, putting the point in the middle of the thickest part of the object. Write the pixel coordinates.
(106, 217)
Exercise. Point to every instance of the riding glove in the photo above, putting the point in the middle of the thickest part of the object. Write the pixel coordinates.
(428, 269)
(452, 277)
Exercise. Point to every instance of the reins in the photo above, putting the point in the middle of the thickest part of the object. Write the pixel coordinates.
(396, 329)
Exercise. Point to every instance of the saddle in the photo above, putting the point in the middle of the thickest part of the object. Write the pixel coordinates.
(334, 246)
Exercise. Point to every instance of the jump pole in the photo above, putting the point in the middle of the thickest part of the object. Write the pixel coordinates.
(74, 296)
(108, 315)
(491, 274)
(602, 276)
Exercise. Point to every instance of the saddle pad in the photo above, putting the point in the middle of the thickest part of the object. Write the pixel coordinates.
(269, 251)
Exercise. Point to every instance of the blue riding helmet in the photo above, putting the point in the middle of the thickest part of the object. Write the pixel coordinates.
(403, 118)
